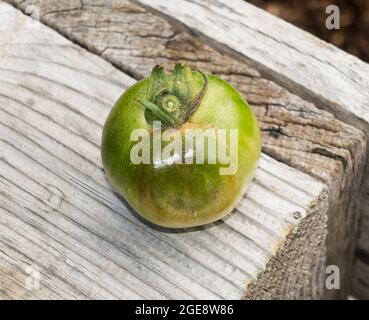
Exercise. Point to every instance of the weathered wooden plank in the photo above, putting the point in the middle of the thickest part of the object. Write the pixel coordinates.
(59, 214)
(314, 69)
(295, 57)
(294, 130)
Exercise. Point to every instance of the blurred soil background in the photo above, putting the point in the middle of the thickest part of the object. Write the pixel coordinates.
(353, 35)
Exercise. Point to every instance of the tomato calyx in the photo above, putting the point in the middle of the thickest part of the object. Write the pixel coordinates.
(172, 99)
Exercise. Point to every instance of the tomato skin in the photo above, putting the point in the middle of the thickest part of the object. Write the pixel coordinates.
(181, 195)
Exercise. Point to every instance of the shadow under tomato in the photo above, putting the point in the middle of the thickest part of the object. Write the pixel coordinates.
(164, 229)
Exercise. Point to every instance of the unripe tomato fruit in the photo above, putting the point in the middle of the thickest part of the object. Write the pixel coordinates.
(179, 195)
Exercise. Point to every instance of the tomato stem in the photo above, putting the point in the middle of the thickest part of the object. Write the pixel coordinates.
(166, 118)
(172, 98)
(195, 102)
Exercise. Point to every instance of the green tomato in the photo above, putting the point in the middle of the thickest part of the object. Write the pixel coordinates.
(169, 190)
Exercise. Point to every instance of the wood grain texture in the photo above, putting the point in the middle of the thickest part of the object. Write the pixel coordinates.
(294, 130)
(58, 214)
(294, 56)
(306, 65)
